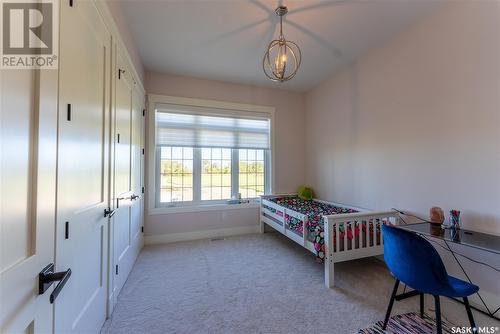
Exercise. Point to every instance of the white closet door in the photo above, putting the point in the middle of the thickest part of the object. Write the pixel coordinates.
(136, 213)
(28, 134)
(83, 157)
(122, 173)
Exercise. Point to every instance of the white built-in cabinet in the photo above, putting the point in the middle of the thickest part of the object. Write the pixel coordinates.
(83, 167)
(72, 171)
(28, 142)
(126, 238)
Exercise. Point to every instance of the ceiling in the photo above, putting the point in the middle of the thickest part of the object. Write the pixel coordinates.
(226, 40)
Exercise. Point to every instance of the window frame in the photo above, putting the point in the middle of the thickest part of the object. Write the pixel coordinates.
(153, 191)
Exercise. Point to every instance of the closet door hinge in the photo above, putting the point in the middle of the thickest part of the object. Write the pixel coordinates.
(143, 112)
(143, 190)
(116, 270)
(71, 3)
(120, 71)
(142, 229)
(142, 151)
(118, 138)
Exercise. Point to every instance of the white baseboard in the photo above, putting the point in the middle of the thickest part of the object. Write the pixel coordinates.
(216, 233)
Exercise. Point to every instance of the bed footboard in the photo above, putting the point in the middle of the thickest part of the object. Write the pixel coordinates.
(353, 236)
(271, 214)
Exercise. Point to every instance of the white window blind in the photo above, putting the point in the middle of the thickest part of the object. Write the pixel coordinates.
(194, 126)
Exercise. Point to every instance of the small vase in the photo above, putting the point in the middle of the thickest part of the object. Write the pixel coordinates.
(455, 219)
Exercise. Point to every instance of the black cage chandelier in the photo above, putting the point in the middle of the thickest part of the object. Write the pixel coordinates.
(282, 59)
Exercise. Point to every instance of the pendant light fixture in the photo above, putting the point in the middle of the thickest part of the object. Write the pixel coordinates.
(282, 59)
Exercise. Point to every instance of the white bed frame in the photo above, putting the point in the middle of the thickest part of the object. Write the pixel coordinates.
(365, 245)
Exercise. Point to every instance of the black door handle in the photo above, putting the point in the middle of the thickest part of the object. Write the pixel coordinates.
(109, 213)
(47, 276)
(63, 277)
(134, 197)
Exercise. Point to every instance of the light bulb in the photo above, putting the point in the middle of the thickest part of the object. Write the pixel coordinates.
(280, 61)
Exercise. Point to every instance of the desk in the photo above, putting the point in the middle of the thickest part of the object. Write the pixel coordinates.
(482, 241)
(485, 242)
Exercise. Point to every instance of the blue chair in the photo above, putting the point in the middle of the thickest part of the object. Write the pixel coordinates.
(415, 262)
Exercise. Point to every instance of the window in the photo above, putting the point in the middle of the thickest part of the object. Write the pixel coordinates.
(251, 173)
(215, 173)
(176, 174)
(206, 155)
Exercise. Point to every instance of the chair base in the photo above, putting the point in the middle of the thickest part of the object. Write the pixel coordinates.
(439, 325)
(469, 315)
(437, 303)
(391, 302)
(422, 303)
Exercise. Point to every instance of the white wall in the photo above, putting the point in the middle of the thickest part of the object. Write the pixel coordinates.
(288, 151)
(116, 11)
(416, 123)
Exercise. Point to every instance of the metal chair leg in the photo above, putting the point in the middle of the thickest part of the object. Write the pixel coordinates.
(469, 314)
(439, 326)
(421, 305)
(391, 302)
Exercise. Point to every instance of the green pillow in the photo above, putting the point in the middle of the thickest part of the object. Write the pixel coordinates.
(305, 193)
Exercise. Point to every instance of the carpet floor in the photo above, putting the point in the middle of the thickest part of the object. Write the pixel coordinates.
(253, 284)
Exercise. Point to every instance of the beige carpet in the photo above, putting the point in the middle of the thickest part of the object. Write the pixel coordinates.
(251, 284)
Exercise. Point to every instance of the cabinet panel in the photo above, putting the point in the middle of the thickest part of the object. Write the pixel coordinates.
(122, 259)
(137, 158)
(28, 139)
(83, 172)
(123, 128)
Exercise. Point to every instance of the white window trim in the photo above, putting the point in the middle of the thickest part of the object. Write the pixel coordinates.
(153, 99)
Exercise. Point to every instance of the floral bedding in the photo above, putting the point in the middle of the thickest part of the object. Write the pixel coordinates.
(315, 211)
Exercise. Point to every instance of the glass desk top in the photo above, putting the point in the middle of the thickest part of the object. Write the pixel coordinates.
(483, 241)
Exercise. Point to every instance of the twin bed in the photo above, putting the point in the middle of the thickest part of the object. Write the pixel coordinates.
(332, 231)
